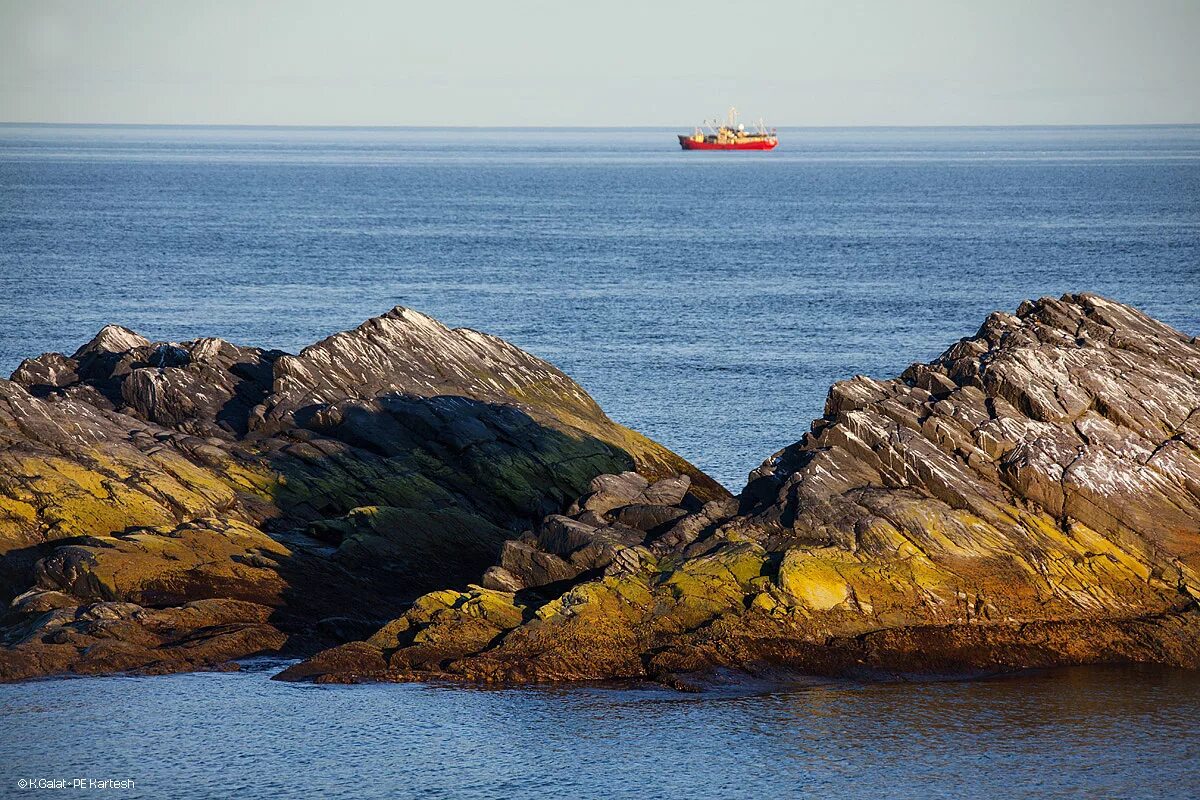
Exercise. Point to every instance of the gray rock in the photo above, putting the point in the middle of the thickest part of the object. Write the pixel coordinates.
(682, 533)
(629, 561)
(591, 518)
(600, 503)
(648, 518)
(562, 535)
(501, 580)
(627, 485)
(532, 567)
(667, 492)
(606, 544)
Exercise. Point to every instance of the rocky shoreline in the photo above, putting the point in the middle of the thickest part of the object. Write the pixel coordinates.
(409, 502)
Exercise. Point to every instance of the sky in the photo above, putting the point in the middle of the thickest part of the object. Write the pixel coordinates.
(618, 63)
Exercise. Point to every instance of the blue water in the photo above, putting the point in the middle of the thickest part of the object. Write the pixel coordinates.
(705, 299)
(1096, 733)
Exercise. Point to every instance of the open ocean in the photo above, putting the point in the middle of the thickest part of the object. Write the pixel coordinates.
(707, 300)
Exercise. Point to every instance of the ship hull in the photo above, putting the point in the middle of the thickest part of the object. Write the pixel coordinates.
(687, 143)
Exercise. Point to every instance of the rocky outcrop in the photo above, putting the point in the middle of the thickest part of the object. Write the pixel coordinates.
(330, 487)
(1029, 498)
(59, 637)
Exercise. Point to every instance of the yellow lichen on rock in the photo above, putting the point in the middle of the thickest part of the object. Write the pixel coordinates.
(170, 564)
(814, 582)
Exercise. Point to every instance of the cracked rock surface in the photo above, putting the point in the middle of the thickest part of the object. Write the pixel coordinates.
(1029, 498)
(222, 500)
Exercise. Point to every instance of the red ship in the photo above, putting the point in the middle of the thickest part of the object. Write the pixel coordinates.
(730, 136)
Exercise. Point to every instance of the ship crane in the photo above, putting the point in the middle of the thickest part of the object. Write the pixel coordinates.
(729, 135)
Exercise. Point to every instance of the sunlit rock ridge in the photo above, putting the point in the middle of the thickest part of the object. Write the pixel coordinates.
(1029, 498)
(169, 506)
(408, 501)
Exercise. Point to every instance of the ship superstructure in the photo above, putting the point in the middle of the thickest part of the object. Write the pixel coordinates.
(729, 135)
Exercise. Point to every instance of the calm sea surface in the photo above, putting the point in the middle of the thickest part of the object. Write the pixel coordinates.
(1095, 733)
(707, 300)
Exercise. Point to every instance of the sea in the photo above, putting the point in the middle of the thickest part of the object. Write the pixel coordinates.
(706, 299)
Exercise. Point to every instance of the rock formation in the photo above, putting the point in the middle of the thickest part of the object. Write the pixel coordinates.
(171, 506)
(426, 502)
(1029, 498)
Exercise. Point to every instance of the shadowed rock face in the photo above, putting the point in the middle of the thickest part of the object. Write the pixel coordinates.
(328, 488)
(1029, 498)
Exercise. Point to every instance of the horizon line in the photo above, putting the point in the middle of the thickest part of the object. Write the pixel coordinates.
(361, 126)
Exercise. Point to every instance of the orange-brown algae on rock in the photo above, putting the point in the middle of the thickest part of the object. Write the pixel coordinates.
(332, 486)
(1029, 498)
(353, 661)
(107, 637)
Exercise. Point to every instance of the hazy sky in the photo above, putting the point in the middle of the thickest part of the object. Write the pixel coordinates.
(603, 62)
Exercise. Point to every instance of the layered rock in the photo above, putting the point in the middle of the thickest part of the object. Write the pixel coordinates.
(330, 487)
(99, 638)
(1029, 498)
